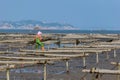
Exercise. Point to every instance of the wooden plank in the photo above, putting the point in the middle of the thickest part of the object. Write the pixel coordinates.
(102, 71)
(5, 66)
(16, 46)
(75, 36)
(11, 41)
(50, 42)
(67, 42)
(11, 52)
(79, 46)
(74, 48)
(11, 35)
(107, 43)
(13, 66)
(98, 46)
(64, 55)
(41, 58)
(80, 40)
(19, 62)
(89, 36)
(101, 36)
(108, 46)
(115, 63)
(38, 58)
(61, 51)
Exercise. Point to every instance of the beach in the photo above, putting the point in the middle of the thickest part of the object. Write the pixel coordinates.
(65, 57)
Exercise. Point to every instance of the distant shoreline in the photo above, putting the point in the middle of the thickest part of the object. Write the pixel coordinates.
(26, 31)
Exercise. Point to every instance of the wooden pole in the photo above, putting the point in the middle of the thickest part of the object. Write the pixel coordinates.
(115, 53)
(8, 73)
(107, 56)
(59, 43)
(48, 46)
(75, 44)
(97, 57)
(67, 65)
(84, 62)
(45, 71)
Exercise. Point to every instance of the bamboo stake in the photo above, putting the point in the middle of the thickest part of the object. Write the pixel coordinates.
(84, 62)
(8, 73)
(75, 44)
(115, 53)
(45, 71)
(67, 65)
(97, 57)
(48, 46)
(107, 57)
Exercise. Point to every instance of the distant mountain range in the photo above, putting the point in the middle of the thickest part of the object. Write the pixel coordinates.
(35, 25)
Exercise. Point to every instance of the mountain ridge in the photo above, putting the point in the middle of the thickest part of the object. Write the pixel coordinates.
(33, 24)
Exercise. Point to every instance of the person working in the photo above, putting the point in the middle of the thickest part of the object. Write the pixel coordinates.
(38, 41)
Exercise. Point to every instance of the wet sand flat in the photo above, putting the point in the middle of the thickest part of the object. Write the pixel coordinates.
(57, 70)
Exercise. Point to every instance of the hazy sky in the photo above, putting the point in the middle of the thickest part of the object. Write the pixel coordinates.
(85, 14)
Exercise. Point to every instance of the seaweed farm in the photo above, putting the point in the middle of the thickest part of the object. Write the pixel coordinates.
(66, 57)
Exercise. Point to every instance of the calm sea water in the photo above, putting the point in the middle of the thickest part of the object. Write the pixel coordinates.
(61, 31)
